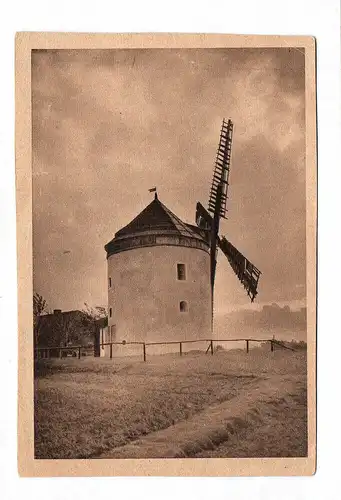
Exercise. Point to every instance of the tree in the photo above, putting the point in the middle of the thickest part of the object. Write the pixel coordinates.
(39, 309)
(97, 317)
(75, 327)
(66, 326)
(93, 315)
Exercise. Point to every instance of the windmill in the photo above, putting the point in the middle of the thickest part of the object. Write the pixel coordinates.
(247, 273)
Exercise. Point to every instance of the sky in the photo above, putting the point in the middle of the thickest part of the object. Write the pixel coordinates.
(107, 125)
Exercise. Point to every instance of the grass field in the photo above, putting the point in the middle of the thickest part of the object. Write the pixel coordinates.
(86, 408)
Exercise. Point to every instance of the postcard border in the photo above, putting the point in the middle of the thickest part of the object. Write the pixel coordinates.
(27, 465)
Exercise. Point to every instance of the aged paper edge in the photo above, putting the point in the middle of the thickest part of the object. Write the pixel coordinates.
(27, 465)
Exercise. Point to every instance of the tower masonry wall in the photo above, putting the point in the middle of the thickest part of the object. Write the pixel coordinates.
(145, 295)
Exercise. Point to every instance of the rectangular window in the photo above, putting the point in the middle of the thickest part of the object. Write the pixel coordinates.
(109, 282)
(181, 272)
(110, 312)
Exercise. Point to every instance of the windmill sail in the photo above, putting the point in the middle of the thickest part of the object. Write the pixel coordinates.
(202, 218)
(221, 169)
(247, 273)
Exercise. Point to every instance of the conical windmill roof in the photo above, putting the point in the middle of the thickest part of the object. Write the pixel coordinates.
(152, 226)
(155, 217)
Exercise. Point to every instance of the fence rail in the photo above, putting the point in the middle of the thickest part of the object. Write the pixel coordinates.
(45, 352)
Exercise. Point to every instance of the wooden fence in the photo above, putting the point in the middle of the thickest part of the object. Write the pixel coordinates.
(77, 350)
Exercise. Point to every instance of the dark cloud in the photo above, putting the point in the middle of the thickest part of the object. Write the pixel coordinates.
(108, 125)
(270, 320)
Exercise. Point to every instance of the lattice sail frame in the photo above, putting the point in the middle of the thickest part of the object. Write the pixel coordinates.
(246, 272)
(222, 168)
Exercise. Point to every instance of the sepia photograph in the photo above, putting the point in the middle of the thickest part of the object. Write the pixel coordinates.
(170, 303)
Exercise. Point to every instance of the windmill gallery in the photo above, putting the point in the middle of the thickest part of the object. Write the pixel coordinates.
(161, 271)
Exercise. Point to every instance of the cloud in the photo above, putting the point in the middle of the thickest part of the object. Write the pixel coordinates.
(272, 319)
(109, 124)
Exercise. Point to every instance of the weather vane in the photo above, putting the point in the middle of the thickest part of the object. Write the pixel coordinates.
(153, 190)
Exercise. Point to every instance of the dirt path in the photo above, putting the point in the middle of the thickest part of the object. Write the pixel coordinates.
(254, 423)
(281, 433)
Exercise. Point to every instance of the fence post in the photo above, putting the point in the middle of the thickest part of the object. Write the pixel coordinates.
(247, 346)
(144, 351)
(272, 346)
(211, 347)
(180, 348)
(79, 353)
(110, 351)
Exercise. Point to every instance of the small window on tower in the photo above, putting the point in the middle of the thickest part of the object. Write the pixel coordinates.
(109, 282)
(181, 271)
(183, 306)
(110, 312)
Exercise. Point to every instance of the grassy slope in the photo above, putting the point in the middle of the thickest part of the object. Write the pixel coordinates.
(281, 431)
(85, 407)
